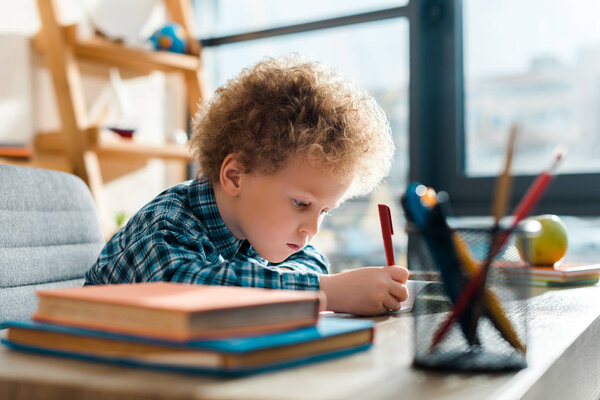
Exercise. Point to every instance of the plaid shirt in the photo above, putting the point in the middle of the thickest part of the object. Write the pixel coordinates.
(180, 237)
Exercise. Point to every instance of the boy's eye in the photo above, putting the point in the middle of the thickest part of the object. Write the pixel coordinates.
(300, 204)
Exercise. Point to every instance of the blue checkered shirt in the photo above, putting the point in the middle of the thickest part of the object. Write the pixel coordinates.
(180, 237)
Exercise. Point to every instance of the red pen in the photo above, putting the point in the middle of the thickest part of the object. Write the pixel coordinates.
(387, 230)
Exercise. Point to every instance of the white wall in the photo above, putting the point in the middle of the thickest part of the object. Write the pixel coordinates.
(16, 124)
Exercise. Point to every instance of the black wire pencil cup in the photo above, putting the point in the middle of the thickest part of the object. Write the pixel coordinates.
(472, 317)
(499, 341)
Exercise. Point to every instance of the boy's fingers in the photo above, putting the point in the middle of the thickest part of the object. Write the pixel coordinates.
(398, 273)
(391, 303)
(399, 291)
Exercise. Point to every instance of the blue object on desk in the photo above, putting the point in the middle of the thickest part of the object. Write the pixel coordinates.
(413, 207)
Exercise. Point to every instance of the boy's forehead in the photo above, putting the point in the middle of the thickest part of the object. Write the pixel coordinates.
(314, 181)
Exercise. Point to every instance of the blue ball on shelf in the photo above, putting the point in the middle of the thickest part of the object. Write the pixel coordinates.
(170, 37)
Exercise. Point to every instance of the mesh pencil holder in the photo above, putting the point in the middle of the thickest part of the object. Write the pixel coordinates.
(499, 341)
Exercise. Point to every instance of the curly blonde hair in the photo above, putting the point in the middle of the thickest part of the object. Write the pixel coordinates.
(289, 106)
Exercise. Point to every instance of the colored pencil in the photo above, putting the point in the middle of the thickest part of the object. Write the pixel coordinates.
(491, 304)
(499, 203)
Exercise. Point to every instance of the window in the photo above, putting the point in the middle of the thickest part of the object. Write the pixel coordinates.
(368, 43)
(475, 67)
(543, 72)
(485, 65)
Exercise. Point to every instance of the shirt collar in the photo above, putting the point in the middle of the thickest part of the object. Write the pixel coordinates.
(204, 205)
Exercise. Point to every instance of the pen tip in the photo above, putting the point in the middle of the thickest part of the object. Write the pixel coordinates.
(559, 153)
(557, 156)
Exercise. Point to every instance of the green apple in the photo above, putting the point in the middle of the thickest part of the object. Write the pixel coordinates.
(549, 246)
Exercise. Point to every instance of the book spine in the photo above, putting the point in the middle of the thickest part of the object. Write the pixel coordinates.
(16, 151)
(182, 336)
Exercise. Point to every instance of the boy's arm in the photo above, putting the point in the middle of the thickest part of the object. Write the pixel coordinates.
(167, 255)
(364, 291)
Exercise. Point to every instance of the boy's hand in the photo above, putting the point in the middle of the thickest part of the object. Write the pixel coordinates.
(365, 291)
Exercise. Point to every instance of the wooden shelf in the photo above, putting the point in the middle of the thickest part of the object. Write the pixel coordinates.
(106, 51)
(94, 158)
(123, 149)
(128, 150)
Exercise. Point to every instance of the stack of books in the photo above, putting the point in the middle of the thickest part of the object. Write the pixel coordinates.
(192, 328)
(565, 274)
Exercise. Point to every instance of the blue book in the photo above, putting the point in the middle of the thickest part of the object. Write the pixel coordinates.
(330, 338)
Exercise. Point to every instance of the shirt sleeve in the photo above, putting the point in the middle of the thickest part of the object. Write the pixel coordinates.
(167, 255)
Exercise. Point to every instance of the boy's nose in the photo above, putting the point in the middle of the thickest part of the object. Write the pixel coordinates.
(311, 226)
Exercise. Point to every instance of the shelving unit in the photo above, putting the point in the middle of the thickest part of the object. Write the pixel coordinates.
(78, 146)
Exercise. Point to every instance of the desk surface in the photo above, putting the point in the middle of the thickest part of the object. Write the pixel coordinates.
(563, 357)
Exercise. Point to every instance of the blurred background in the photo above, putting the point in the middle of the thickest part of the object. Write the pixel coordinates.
(451, 75)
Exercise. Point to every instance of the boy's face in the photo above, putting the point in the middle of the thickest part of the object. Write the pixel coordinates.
(280, 213)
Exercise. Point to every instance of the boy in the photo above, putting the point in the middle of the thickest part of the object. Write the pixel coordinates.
(278, 147)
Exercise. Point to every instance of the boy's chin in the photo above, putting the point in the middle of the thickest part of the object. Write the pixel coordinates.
(274, 258)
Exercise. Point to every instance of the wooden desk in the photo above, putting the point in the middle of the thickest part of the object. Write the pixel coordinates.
(563, 357)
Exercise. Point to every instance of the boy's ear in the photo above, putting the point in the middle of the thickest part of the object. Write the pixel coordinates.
(230, 175)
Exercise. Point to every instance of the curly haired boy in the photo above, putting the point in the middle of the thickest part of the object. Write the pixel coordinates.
(278, 147)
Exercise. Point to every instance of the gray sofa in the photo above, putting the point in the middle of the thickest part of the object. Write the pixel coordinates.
(49, 235)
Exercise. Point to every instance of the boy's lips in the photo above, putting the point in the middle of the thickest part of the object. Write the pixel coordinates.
(293, 246)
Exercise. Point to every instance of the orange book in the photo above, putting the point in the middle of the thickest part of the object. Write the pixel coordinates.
(16, 151)
(179, 311)
(566, 270)
(565, 274)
